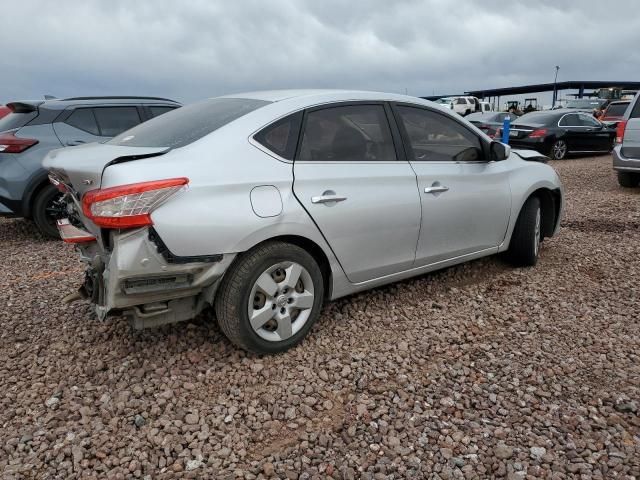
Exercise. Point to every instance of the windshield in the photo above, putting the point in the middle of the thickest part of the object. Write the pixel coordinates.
(616, 109)
(185, 125)
(587, 103)
(16, 120)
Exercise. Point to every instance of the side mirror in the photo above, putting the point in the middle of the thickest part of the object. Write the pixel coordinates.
(499, 151)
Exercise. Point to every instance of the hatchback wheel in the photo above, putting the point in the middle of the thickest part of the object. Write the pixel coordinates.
(47, 209)
(559, 150)
(270, 298)
(527, 235)
(628, 179)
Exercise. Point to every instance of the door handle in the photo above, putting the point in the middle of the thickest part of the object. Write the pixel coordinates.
(327, 198)
(436, 189)
(74, 143)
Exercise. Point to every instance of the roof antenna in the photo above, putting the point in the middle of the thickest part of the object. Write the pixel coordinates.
(49, 97)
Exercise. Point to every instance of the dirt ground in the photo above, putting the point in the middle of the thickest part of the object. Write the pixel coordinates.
(478, 371)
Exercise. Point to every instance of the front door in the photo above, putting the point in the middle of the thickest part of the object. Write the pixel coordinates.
(598, 138)
(466, 201)
(359, 190)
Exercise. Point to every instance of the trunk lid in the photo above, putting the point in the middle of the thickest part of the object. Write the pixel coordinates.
(82, 167)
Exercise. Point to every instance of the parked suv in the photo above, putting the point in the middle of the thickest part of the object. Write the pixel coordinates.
(33, 128)
(626, 154)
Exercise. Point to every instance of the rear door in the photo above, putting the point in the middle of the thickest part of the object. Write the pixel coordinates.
(465, 199)
(77, 126)
(575, 133)
(352, 178)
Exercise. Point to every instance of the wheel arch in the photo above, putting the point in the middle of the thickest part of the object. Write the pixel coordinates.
(34, 187)
(310, 247)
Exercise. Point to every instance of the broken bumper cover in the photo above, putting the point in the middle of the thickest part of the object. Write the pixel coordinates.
(137, 280)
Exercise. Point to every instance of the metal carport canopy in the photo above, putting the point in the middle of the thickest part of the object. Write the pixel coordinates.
(548, 87)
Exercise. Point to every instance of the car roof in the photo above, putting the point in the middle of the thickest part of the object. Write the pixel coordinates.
(323, 94)
(61, 103)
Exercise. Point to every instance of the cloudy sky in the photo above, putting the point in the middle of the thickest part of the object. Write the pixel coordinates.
(194, 49)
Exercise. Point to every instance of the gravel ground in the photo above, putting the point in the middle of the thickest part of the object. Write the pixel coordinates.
(478, 371)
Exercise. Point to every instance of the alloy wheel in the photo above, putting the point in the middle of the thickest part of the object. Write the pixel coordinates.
(281, 301)
(559, 150)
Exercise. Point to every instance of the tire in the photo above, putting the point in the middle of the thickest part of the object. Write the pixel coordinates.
(467, 112)
(527, 235)
(628, 179)
(558, 150)
(241, 292)
(41, 211)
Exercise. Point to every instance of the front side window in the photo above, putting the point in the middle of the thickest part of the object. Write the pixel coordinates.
(83, 119)
(588, 121)
(113, 121)
(281, 137)
(435, 137)
(353, 133)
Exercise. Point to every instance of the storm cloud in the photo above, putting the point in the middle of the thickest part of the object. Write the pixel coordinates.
(189, 50)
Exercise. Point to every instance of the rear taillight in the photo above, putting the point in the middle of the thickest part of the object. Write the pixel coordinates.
(9, 143)
(620, 128)
(539, 133)
(129, 206)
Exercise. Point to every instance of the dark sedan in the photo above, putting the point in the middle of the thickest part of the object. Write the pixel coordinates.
(489, 122)
(557, 133)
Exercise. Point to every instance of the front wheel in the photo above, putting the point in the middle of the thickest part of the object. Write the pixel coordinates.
(559, 150)
(527, 235)
(46, 210)
(270, 298)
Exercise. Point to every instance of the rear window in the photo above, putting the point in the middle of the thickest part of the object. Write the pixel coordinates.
(187, 124)
(617, 109)
(16, 120)
(536, 118)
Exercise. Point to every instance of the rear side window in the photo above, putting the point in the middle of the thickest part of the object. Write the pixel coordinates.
(281, 137)
(435, 137)
(114, 120)
(16, 120)
(570, 120)
(353, 133)
(157, 110)
(83, 119)
(187, 124)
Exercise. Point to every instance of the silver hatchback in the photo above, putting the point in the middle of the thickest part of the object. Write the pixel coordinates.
(265, 205)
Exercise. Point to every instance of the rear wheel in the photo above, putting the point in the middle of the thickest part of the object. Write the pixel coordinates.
(527, 235)
(46, 210)
(628, 179)
(270, 298)
(559, 150)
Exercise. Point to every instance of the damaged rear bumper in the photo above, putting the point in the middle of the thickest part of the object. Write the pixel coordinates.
(141, 279)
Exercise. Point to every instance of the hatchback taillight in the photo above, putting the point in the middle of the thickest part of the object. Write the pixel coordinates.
(9, 143)
(620, 128)
(129, 206)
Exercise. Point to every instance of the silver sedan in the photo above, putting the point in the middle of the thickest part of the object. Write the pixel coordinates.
(265, 205)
